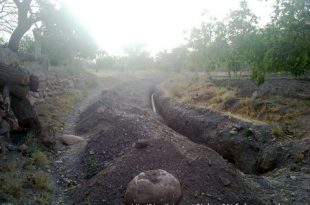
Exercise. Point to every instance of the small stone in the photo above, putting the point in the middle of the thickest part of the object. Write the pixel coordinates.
(91, 152)
(254, 95)
(23, 148)
(293, 177)
(11, 147)
(71, 139)
(225, 181)
(140, 144)
(101, 110)
(68, 182)
(209, 162)
(153, 187)
(237, 127)
(233, 132)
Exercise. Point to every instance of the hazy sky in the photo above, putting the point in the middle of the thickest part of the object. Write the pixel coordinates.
(159, 24)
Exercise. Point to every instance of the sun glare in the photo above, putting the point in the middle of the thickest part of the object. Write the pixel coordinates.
(156, 24)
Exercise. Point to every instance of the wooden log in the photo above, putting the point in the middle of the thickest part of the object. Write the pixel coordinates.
(4, 127)
(13, 75)
(18, 90)
(34, 83)
(2, 144)
(6, 99)
(25, 114)
(4, 131)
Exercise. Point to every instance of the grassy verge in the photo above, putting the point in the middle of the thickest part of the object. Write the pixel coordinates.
(282, 113)
(25, 177)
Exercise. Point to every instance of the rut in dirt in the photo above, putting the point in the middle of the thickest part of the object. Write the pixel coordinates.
(123, 117)
(67, 158)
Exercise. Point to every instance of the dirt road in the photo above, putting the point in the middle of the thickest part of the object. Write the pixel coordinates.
(100, 168)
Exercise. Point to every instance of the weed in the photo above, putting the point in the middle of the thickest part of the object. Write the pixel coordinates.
(44, 199)
(247, 132)
(255, 104)
(91, 169)
(37, 158)
(10, 187)
(31, 138)
(277, 131)
(10, 166)
(41, 181)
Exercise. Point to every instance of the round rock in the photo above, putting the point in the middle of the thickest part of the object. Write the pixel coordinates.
(153, 187)
(71, 139)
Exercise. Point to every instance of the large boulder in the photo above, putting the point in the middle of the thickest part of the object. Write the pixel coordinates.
(153, 187)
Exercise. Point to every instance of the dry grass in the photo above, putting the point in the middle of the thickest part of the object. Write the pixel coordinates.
(41, 181)
(198, 89)
(37, 158)
(283, 112)
(277, 131)
(10, 187)
(57, 109)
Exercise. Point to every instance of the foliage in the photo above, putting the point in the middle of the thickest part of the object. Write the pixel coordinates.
(62, 38)
(237, 44)
(136, 58)
(40, 180)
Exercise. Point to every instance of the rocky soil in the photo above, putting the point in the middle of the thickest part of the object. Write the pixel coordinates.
(105, 140)
(126, 138)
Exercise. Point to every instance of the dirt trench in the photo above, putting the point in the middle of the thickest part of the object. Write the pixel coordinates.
(250, 147)
(122, 116)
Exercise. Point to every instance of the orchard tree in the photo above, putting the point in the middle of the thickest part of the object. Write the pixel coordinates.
(25, 19)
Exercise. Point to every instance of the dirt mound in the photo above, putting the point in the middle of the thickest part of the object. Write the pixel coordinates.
(127, 138)
(286, 87)
(251, 148)
(118, 120)
(204, 175)
(239, 142)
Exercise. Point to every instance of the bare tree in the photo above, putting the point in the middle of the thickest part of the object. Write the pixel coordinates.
(26, 18)
(8, 16)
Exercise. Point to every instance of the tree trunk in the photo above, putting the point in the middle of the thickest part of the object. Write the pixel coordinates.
(16, 36)
(25, 21)
(37, 34)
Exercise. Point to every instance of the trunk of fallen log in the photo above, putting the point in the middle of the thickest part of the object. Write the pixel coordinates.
(34, 83)
(18, 91)
(25, 114)
(12, 74)
(18, 81)
(15, 85)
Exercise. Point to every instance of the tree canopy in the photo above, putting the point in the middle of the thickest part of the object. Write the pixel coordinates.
(61, 35)
(238, 44)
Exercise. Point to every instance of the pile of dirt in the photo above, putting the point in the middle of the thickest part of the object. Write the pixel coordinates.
(252, 148)
(121, 118)
(122, 121)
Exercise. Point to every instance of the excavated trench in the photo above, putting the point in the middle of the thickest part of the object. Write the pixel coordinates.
(250, 148)
(128, 138)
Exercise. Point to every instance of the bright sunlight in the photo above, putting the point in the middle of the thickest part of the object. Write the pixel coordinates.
(158, 25)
